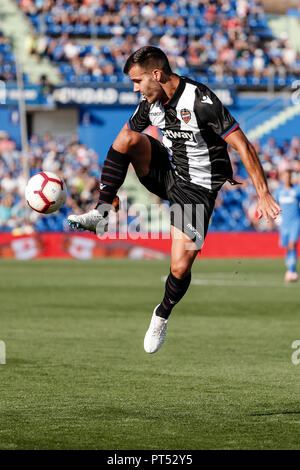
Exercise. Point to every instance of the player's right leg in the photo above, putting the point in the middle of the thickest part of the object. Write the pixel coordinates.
(128, 147)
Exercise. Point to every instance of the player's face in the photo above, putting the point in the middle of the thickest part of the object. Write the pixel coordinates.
(144, 83)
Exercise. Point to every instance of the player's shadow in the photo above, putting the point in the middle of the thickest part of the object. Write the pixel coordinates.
(276, 413)
(16, 361)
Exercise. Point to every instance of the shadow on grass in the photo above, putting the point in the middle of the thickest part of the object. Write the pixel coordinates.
(17, 361)
(277, 413)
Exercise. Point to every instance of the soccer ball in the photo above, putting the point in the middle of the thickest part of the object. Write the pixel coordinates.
(45, 192)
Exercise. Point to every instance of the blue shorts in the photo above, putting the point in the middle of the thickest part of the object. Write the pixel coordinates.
(289, 233)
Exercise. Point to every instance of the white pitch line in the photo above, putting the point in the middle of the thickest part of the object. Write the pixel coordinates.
(234, 283)
(225, 283)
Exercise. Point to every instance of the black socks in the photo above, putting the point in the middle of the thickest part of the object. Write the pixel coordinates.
(175, 290)
(113, 175)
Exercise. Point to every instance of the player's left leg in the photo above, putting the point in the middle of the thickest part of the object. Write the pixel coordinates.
(183, 254)
(128, 147)
(291, 262)
(289, 238)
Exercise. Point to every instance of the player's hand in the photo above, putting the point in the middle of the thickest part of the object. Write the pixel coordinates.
(267, 207)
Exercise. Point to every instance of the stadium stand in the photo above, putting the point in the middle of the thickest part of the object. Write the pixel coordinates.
(224, 41)
(18, 30)
(7, 61)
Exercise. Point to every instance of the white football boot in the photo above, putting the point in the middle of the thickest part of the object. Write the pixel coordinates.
(156, 333)
(93, 221)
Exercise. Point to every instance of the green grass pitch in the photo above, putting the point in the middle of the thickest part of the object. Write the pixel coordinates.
(77, 376)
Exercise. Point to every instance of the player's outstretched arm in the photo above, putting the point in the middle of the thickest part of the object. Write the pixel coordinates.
(267, 207)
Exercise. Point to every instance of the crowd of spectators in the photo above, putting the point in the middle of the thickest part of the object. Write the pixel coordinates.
(223, 41)
(7, 60)
(78, 166)
(71, 160)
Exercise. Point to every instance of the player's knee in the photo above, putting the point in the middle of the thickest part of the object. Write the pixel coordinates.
(126, 140)
(180, 269)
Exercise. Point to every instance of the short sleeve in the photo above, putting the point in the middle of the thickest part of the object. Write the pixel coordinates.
(212, 113)
(139, 121)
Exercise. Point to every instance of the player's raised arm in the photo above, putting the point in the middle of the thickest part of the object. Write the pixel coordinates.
(267, 207)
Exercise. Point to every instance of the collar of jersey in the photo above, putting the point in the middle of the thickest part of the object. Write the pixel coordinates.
(171, 101)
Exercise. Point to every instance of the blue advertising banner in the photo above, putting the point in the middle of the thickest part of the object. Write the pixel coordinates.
(95, 95)
(115, 96)
(32, 94)
(92, 95)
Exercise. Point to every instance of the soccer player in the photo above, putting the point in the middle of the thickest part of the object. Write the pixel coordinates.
(288, 196)
(188, 168)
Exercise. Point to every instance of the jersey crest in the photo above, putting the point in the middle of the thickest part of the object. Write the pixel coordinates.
(186, 115)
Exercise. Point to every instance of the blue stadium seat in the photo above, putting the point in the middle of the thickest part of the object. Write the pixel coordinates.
(67, 28)
(66, 68)
(97, 78)
(71, 78)
(54, 29)
(85, 78)
(104, 31)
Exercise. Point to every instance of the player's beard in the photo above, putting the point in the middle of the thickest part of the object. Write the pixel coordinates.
(153, 94)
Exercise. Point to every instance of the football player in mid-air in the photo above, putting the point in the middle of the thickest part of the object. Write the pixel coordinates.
(288, 196)
(188, 168)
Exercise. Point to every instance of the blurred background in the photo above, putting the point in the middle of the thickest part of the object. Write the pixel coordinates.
(64, 98)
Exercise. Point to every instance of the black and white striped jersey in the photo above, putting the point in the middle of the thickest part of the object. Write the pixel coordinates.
(193, 124)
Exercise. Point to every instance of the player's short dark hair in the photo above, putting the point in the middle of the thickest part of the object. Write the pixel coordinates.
(149, 57)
